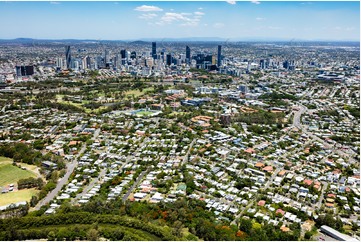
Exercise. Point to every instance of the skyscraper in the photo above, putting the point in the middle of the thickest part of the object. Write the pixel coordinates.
(219, 56)
(68, 57)
(24, 70)
(154, 50)
(123, 54)
(106, 57)
(169, 59)
(188, 54)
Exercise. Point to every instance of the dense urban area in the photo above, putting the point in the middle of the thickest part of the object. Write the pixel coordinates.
(179, 140)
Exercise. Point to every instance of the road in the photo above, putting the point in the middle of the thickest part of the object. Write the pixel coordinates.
(297, 123)
(297, 117)
(185, 159)
(269, 182)
(89, 187)
(328, 146)
(235, 221)
(69, 170)
(140, 177)
(324, 187)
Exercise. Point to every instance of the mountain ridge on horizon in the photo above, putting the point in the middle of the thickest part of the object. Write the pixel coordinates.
(190, 39)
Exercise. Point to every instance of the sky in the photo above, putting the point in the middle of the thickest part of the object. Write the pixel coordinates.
(232, 20)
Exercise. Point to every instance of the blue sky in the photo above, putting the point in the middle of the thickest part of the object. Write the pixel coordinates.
(135, 20)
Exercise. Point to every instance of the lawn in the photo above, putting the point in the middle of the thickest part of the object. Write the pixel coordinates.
(17, 196)
(136, 93)
(144, 113)
(11, 174)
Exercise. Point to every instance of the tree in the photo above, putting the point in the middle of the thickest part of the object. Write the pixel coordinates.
(51, 236)
(245, 225)
(178, 227)
(308, 235)
(34, 200)
(92, 234)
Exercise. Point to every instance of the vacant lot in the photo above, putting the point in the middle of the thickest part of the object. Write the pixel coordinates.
(11, 174)
(17, 196)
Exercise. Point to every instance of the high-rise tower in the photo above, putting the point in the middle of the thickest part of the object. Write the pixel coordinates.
(219, 55)
(188, 54)
(154, 50)
(169, 59)
(68, 57)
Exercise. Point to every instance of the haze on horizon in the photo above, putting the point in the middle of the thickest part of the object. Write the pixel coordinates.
(332, 21)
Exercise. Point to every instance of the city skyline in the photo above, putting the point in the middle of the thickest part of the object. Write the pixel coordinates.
(236, 21)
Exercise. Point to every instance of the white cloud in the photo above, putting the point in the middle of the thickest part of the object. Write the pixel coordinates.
(255, 2)
(55, 3)
(184, 19)
(350, 28)
(200, 8)
(198, 13)
(146, 8)
(218, 25)
(231, 2)
(260, 19)
(170, 17)
(148, 16)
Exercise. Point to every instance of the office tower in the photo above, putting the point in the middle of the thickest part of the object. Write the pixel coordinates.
(24, 70)
(219, 56)
(76, 65)
(68, 57)
(83, 63)
(106, 57)
(88, 62)
(169, 59)
(262, 64)
(154, 50)
(133, 55)
(286, 64)
(59, 63)
(188, 54)
(162, 53)
(123, 54)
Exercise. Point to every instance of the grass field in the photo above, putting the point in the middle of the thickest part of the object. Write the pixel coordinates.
(17, 196)
(138, 93)
(144, 113)
(11, 174)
